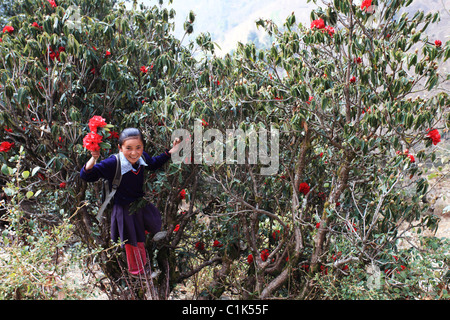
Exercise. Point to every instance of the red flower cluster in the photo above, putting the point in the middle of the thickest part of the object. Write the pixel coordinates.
(200, 246)
(55, 55)
(365, 5)
(438, 43)
(264, 254)
(276, 235)
(5, 146)
(145, 69)
(96, 122)
(36, 25)
(217, 244)
(434, 136)
(406, 153)
(182, 194)
(8, 29)
(319, 24)
(304, 188)
(91, 141)
(52, 3)
(330, 30)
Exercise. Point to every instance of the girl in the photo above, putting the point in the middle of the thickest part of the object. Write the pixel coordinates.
(130, 227)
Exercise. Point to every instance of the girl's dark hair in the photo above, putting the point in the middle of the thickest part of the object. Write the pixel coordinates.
(130, 133)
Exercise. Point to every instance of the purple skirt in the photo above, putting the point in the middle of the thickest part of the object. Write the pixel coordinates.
(131, 228)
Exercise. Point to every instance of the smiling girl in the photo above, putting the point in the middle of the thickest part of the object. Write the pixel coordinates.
(130, 227)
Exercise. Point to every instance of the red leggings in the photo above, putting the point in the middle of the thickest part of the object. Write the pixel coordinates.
(136, 258)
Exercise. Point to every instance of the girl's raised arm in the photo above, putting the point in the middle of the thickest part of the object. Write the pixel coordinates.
(93, 160)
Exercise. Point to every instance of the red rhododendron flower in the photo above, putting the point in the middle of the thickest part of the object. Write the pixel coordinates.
(365, 5)
(352, 79)
(62, 185)
(276, 234)
(8, 29)
(5, 146)
(144, 69)
(36, 25)
(319, 24)
(217, 244)
(330, 30)
(304, 188)
(182, 194)
(107, 53)
(438, 43)
(434, 136)
(113, 134)
(91, 141)
(411, 158)
(52, 3)
(177, 227)
(264, 254)
(96, 122)
(250, 258)
(199, 246)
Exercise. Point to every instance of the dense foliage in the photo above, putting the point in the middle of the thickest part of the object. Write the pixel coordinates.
(343, 93)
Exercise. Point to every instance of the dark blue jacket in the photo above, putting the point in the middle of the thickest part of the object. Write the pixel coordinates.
(131, 186)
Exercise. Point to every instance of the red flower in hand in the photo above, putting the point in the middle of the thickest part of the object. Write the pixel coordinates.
(91, 141)
(96, 122)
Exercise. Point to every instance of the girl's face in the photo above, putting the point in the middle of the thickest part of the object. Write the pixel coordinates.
(132, 149)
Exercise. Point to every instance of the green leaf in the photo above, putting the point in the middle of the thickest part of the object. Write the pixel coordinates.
(34, 171)
(25, 174)
(5, 169)
(29, 194)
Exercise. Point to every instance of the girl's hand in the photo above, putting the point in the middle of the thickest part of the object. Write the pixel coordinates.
(95, 154)
(90, 164)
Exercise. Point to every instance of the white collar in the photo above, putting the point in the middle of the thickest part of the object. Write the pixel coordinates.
(126, 166)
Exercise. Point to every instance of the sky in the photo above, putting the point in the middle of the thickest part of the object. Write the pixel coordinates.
(230, 21)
